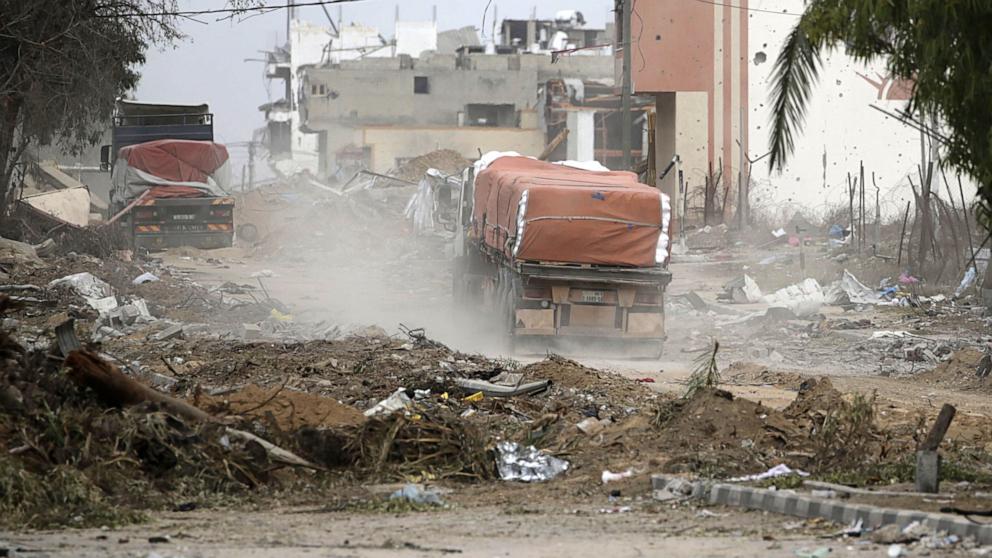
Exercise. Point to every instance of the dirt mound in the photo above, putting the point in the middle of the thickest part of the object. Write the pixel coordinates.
(715, 433)
(286, 409)
(444, 160)
(960, 371)
(816, 397)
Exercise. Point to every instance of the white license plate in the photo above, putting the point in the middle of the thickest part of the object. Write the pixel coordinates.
(592, 296)
(183, 217)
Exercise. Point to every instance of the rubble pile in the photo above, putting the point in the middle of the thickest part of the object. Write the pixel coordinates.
(445, 160)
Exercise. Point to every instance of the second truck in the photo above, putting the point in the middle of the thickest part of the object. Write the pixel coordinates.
(170, 180)
(567, 258)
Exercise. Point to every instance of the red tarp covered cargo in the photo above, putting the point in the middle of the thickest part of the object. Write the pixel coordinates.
(172, 168)
(536, 211)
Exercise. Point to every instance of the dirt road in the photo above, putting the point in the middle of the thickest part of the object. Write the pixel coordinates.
(521, 531)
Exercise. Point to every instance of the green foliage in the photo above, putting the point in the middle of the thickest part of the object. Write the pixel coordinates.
(845, 437)
(63, 63)
(943, 46)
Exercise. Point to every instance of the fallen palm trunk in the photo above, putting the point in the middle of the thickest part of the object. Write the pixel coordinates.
(115, 388)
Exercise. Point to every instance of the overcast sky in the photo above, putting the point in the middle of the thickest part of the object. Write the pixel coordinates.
(214, 63)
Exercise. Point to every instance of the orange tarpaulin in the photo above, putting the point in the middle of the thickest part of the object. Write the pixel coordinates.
(537, 211)
(176, 160)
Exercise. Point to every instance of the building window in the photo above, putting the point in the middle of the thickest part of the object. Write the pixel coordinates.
(420, 85)
(313, 88)
(321, 89)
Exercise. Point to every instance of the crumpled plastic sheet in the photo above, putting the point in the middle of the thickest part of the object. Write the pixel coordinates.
(527, 464)
(420, 208)
(417, 495)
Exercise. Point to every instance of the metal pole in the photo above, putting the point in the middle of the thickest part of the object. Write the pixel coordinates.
(625, 92)
(251, 165)
(741, 187)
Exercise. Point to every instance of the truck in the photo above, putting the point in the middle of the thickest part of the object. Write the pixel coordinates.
(564, 258)
(169, 179)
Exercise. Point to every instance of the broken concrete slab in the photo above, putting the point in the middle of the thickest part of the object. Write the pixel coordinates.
(170, 332)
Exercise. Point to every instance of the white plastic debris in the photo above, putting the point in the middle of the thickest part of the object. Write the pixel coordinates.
(398, 401)
(97, 293)
(527, 464)
(779, 470)
(146, 277)
(966, 282)
(416, 494)
(608, 476)
(263, 273)
(856, 291)
(420, 208)
(895, 551)
(803, 298)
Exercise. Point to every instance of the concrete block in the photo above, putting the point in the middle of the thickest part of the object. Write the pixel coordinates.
(251, 331)
(928, 472)
(170, 332)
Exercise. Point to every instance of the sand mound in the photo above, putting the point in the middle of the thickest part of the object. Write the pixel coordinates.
(960, 371)
(290, 410)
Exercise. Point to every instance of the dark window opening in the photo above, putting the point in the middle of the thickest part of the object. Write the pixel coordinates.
(420, 85)
(501, 116)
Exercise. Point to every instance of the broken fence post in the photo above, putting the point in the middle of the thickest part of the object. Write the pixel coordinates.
(927, 458)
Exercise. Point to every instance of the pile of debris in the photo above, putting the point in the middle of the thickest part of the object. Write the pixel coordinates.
(445, 160)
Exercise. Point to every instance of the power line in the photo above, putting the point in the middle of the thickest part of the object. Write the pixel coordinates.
(187, 13)
(711, 2)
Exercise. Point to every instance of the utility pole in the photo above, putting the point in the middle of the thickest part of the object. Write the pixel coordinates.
(626, 124)
(251, 165)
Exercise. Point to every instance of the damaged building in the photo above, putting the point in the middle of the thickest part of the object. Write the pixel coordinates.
(355, 99)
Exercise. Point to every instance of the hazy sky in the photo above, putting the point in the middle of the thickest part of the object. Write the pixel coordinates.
(210, 65)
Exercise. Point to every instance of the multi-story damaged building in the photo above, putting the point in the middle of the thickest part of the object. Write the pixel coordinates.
(362, 100)
(378, 112)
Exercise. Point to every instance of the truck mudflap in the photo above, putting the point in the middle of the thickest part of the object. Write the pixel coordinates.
(198, 222)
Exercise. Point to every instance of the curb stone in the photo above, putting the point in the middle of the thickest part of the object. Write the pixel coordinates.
(809, 507)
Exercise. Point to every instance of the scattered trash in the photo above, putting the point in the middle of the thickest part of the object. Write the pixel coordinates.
(620, 509)
(416, 494)
(263, 273)
(474, 398)
(145, 278)
(516, 462)
(779, 470)
(608, 476)
(645, 380)
(398, 401)
(895, 551)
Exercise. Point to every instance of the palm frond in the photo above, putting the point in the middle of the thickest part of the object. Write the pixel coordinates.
(706, 372)
(796, 70)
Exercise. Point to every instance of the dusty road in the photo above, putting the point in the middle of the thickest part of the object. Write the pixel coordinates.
(520, 531)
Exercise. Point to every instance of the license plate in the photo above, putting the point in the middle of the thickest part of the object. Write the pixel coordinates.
(183, 217)
(592, 296)
(187, 228)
